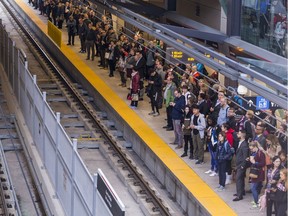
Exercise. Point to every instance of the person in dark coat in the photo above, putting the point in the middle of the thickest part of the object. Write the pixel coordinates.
(177, 113)
(187, 132)
(281, 194)
(71, 28)
(242, 154)
(82, 31)
(273, 176)
(113, 57)
(90, 40)
(154, 91)
(140, 66)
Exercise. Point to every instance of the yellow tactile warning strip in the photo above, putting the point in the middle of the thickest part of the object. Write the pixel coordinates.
(200, 190)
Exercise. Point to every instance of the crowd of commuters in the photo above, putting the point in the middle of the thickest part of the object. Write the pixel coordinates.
(198, 109)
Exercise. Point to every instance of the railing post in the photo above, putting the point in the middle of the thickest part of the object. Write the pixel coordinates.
(94, 194)
(57, 153)
(74, 141)
(44, 125)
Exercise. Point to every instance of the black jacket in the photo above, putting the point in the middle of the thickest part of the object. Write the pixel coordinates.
(242, 154)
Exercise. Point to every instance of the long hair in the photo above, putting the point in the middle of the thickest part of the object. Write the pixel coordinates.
(284, 171)
(274, 141)
(223, 134)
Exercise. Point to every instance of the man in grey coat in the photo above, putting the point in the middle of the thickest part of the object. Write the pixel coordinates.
(242, 154)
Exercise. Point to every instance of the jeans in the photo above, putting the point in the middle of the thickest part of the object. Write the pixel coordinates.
(178, 131)
(255, 189)
(222, 172)
(214, 164)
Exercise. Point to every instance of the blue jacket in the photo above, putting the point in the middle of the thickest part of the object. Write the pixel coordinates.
(223, 152)
(177, 111)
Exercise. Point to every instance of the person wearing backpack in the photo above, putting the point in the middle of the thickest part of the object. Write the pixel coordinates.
(223, 153)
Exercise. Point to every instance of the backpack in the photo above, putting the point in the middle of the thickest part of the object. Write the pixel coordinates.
(205, 72)
(229, 150)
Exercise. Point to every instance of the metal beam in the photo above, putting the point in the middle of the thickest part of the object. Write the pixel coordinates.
(196, 33)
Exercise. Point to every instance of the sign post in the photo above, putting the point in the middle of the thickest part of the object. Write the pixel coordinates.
(107, 197)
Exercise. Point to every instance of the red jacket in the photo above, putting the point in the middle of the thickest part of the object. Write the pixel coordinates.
(229, 136)
(135, 83)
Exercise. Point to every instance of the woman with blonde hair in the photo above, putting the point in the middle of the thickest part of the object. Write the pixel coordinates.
(273, 148)
(281, 194)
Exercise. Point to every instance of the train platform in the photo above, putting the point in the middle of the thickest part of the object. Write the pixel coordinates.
(156, 125)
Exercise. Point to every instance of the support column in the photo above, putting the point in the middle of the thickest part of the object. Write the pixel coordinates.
(234, 17)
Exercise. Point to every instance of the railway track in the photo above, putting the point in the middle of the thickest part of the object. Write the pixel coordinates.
(82, 119)
(18, 189)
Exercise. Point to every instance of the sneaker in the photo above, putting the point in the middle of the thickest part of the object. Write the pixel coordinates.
(253, 202)
(184, 155)
(151, 113)
(209, 171)
(218, 186)
(221, 188)
(199, 162)
(156, 114)
(191, 157)
(254, 206)
(133, 107)
(213, 174)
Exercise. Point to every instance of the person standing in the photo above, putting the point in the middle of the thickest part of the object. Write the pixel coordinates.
(90, 40)
(223, 112)
(187, 132)
(257, 160)
(259, 137)
(281, 194)
(177, 113)
(273, 176)
(168, 98)
(212, 140)
(71, 28)
(198, 126)
(82, 31)
(140, 66)
(223, 153)
(113, 57)
(242, 154)
(134, 86)
(155, 88)
(150, 60)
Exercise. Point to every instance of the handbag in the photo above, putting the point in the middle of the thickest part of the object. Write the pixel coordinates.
(135, 97)
(107, 54)
(129, 96)
(254, 172)
(263, 201)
